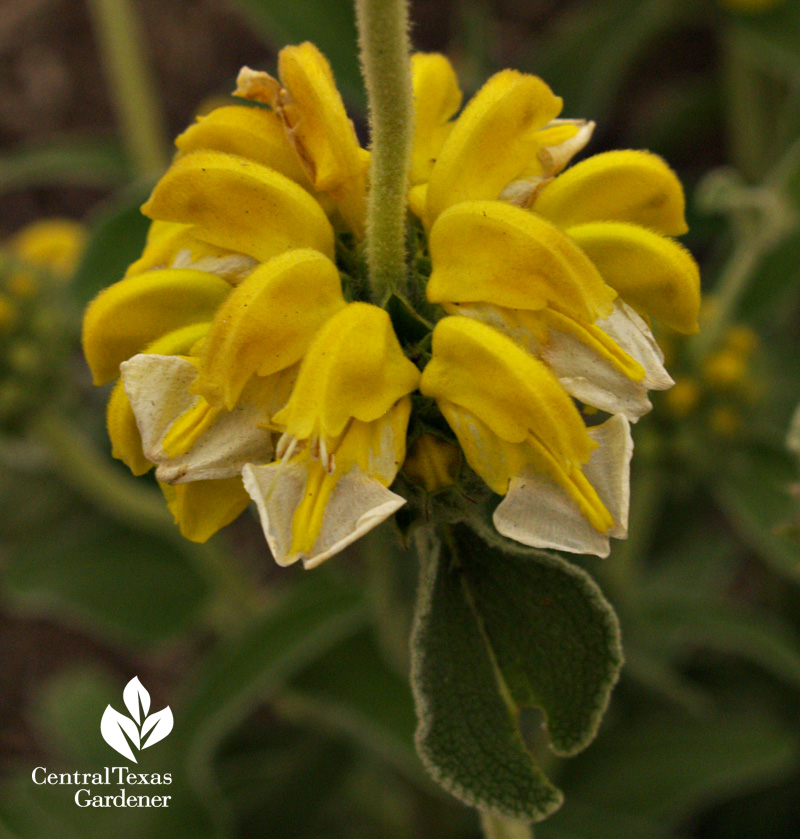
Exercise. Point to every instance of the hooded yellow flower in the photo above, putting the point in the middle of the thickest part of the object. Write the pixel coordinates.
(209, 326)
(551, 274)
(252, 366)
(344, 439)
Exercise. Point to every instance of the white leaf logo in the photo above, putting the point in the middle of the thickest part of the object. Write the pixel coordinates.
(121, 732)
(137, 699)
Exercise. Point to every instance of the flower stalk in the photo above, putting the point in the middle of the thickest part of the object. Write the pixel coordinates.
(130, 85)
(497, 828)
(384, 43)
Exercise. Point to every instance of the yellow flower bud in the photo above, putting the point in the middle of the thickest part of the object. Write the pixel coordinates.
(432, 463)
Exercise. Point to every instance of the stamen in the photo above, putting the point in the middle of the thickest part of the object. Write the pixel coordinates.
(283, 444)
(287, 455)
(324, 456)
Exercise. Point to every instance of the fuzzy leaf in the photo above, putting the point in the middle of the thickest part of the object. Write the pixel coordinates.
(497, 632)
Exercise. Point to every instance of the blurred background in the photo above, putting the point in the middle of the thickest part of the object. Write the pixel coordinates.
(289, 690)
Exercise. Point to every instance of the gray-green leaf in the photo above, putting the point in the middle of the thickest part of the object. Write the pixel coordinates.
(497, 632)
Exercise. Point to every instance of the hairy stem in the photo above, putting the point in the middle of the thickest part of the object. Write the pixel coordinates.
(383, 38)
(497, 828)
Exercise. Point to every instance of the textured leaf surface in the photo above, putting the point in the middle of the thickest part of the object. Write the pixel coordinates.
(497, 632)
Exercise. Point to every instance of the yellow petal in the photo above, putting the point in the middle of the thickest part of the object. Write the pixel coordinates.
(417, 201)
(253, 133)
(123, 430)
(267, 323)
(179, 247)
(240, 205)
(494, 459)
(180, 341)
(513, 393)
(378, 448)
(437, 97)
(126, 442)
(321, 131)
(488, 251)
(595, 339)
(158, 229)
(502, 464)
(537, 511)
(653, 274)
(354, 504)
(492, 141)
(373, 450)
(122, 320)
(201, 508)
(354, 369)
(630, 186)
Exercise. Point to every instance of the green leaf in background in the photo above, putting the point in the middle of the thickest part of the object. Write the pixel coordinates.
(118, 235)
(753, 487)
(687, 602)
(761, 64)
(128, 585)
(283, 775)
(237, 675)
(643, 777)
(78, 161)
(330, 24)
(615, 35)
(497, 632)
(375, 710)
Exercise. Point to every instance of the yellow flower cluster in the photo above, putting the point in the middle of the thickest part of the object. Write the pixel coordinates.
(249, 371)
(36, 262)
(725, 387)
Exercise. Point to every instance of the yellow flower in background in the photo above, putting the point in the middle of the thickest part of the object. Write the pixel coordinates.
(53, 246)
(723, 392)
(253, 367)
(35, 331)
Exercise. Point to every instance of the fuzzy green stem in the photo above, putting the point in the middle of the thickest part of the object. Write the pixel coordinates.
(130, 85)
(384, 43)
(497, 828)
(732, 284)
